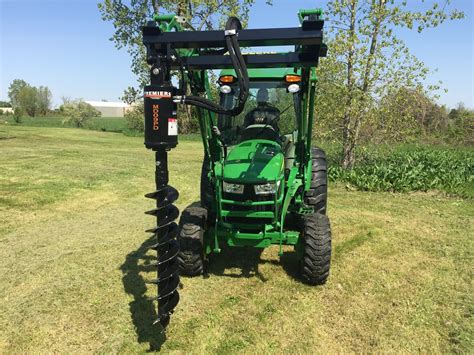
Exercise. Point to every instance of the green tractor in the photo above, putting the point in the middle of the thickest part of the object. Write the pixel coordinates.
(262, 181)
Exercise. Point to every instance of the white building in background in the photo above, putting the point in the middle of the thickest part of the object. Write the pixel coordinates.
(6, 109)
(110, 109)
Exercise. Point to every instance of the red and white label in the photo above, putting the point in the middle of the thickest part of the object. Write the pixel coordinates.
(158, 94)
(172, 127)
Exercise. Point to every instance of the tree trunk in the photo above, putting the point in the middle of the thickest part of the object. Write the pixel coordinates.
(352, 122)
(348, 155)
(347, 148)
(156, 6)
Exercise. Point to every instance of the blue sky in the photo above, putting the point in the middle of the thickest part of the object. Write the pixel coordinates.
(64, 45)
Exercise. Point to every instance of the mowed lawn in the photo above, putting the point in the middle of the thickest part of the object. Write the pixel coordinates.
(73, 262)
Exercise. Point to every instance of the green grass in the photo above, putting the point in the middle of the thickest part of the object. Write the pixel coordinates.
(103, 124)
(399, 168)
(74, 262)
(106, 124)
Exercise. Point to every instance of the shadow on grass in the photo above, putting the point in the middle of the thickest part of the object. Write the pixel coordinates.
(246, 259)
(290, 264)
(143, 310)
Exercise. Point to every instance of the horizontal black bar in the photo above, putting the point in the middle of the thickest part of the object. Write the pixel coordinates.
(277, 60)
(247, 38)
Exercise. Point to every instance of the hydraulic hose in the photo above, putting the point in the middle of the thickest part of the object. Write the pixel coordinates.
(232, 26)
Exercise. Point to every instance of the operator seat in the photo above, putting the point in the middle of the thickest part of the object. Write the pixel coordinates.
(264, 113)
(261, 122)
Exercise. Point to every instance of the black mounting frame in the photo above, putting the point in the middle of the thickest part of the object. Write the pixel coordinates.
(308, 42)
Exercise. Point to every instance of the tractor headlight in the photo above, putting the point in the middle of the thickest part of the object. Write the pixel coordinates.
(293, 88)
(265, 189)
(225, 89)
(233, 188)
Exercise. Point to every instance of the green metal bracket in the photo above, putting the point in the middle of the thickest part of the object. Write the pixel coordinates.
(293, 183)
(306, 12)
(167, 23)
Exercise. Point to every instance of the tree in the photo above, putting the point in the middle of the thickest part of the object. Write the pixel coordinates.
(406, 113)
(131, 95)
(128, 19)
(65, 100)
(44, 98)
(78, 112)
(27, 100)
(368, 60)
(14, 88)
(30, 99)
(461, 125)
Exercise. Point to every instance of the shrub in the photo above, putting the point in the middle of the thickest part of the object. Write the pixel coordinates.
(135, 117)
(78, 113)
(17, 113)
(403, 170)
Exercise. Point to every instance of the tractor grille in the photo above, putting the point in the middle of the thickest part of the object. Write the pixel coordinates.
(248, 195)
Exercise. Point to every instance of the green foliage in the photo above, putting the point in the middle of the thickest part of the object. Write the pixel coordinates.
(14, 89)
(135, 117)
(27, 100)
(403, 115)
(5, 104)
(32, 100)
(368, 61)
(404, 169)
(43, 98)
(131, 95)
(461, 125)
(17, 114)
(78, 113)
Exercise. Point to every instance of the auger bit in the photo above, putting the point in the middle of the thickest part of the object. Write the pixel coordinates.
(161, 135)
(166, 245)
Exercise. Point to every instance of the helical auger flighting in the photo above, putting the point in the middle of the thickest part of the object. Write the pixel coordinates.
(166, 244)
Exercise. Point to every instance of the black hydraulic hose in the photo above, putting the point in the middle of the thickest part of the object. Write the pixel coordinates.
(238, 62)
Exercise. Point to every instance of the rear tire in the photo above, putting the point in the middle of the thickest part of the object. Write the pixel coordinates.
(190, 238)
(317, 196)
(316, 248)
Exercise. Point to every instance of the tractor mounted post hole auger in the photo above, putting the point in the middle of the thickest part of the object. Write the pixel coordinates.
(262, 182)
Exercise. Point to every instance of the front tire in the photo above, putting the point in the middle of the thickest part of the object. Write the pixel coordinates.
(317, 196)
(190, 238)
(316, 248)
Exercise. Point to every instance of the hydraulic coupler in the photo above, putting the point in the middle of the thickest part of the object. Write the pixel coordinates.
(161, 134)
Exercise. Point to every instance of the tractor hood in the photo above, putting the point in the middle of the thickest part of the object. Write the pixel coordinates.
(254, 161)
